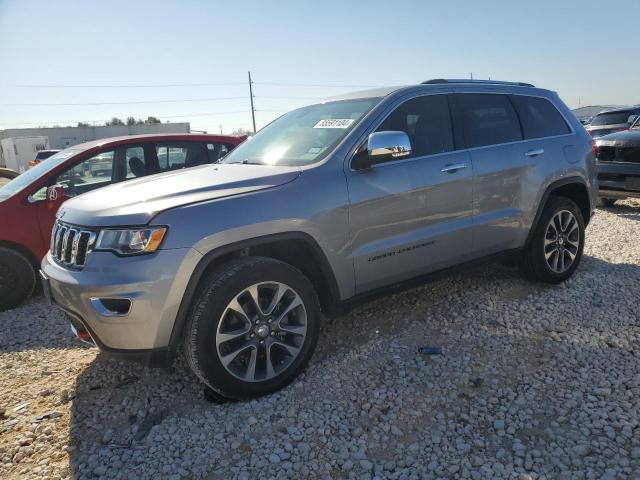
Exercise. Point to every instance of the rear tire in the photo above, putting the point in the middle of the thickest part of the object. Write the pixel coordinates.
(17, 278)
(555, 250)
(252, 328)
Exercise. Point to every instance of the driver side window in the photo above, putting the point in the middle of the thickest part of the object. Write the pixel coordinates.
(90, 174)
(427, 122)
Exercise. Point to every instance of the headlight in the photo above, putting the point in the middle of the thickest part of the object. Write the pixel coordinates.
(131, 241)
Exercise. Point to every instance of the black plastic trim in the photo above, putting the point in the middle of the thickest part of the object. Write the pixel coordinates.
(510, 257)
(545, 196)
(152, 357)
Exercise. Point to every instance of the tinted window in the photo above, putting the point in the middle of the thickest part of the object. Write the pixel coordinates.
(176, 155)
(135, 162)
(217, 150)
(426, 121)
(539, 117)
(611, 118)
(486, 119)
(94, 172)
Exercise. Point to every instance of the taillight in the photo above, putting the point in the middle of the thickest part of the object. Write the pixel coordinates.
(590, 132)
(33, 163)
(594, 148)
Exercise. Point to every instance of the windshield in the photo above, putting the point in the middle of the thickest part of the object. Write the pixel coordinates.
(33, 174)
(612, 118)
(303, 136)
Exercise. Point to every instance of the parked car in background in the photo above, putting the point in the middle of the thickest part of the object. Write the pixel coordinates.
(612, 121)
(29, 202)
(618, 162)
(6, 175)
(40, 156)
(17, 152)
(326, 205)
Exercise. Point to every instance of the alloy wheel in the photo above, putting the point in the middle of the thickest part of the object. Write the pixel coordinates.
(261, 331)
(561, 241)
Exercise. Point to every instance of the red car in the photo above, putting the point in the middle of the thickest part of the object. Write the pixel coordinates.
(28, 203)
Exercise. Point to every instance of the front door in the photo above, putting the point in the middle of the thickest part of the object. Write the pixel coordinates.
(89, 174)
(412, 216)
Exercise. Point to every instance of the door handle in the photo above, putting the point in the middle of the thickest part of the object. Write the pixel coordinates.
(534, 152)
(453, 167)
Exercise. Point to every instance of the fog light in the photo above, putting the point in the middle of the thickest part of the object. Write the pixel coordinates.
(112, 307)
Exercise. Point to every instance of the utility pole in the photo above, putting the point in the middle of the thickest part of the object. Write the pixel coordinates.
(220, 129)
(253, 110)
(471, 75)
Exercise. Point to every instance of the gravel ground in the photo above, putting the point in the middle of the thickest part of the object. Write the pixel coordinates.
(534, 382)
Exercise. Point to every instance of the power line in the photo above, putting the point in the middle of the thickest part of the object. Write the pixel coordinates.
(140, 102)
(151, 85)
(322, 85)
(182, 115)
(172, 85)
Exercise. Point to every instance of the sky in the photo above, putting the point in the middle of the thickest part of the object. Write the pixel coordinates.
(62, 61)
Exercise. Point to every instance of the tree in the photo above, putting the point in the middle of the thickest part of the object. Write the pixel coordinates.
(152, 120)
(83, 124)
(131, 121)
(242, 131)
(114, 121)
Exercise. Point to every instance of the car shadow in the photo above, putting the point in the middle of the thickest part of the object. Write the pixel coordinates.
(629, 210)
(125, 417)
(35, 325)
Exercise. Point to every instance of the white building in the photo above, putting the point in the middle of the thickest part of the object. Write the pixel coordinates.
(63, 137)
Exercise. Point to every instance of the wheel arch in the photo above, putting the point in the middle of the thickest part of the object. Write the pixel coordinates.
(573, 188)
(28, 254)
(298, 249)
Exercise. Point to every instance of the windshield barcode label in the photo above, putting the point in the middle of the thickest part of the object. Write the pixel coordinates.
(334, 123)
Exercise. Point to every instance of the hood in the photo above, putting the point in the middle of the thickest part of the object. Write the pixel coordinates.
(628, 137)
(135, 202)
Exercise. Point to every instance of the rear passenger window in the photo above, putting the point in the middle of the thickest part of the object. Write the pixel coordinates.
(539, 117)
(176, 155)
(426, 121)
(486, 119)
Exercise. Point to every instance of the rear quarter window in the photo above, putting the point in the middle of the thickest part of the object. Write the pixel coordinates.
(539, 117)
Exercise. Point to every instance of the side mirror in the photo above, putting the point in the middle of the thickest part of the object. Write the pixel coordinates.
(631, 119)
(55, 193)
(382, 147)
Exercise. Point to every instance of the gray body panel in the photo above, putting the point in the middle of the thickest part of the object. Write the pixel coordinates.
(375, 227)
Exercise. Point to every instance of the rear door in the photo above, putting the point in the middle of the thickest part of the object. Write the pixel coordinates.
(412, 215)
(490, 129)
(174, 155)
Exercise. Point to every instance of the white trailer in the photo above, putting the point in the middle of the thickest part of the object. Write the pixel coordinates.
(18, 151)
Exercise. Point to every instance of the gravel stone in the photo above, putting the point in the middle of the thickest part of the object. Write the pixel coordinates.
(534, 383)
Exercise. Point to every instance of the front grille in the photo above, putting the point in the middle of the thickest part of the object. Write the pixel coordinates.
(622, 154)
(70, 245)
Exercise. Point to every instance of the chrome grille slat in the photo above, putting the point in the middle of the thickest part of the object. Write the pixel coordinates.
(70, 245)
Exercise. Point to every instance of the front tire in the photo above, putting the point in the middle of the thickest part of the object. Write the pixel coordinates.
(252, 328)
(17, 278)
(555, 250)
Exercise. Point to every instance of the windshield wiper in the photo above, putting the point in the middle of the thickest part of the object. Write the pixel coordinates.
(246, 161)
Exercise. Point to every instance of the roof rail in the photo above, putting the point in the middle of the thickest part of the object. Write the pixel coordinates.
(437, 81)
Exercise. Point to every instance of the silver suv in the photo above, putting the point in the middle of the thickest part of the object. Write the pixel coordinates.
(325, 206)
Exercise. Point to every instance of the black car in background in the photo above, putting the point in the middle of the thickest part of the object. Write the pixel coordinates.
(618, 162)
(612, 121)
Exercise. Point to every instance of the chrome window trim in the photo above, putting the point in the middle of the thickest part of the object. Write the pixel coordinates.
(405, 98)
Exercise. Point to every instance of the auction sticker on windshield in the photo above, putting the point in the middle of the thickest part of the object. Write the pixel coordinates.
(334, 123)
